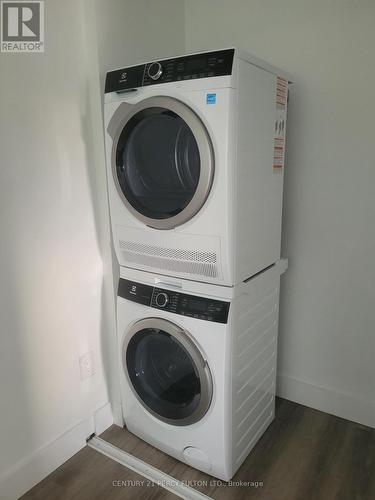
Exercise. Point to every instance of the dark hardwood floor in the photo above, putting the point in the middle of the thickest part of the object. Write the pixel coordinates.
(89, 475)
(304, 455)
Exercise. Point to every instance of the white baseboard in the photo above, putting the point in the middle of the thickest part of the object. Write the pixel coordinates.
(32, 469)
(103, 418)
(342, 404)
(20, 478)
(118, 418)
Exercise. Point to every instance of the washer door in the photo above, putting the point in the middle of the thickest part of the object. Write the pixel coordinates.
(167, 372)
(162, 161)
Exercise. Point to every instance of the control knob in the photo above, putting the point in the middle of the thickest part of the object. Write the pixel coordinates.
(161, 299)
(155, 70)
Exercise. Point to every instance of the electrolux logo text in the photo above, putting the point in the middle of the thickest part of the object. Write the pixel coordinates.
(22, 26)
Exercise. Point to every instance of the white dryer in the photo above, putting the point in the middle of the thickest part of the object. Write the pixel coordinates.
(195, 154)
(198, 365)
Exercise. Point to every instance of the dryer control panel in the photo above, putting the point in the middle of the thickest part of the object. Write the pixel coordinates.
(202, 65)
(174, 302)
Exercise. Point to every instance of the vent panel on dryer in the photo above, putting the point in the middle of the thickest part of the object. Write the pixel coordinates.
(192, 262)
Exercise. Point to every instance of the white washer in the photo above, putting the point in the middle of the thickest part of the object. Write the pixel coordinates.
(198, 365)
(195, 153)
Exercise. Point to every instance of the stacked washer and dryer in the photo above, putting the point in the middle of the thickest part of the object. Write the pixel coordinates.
(195, 152)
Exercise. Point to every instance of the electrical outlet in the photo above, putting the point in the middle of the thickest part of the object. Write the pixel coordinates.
(87, 365)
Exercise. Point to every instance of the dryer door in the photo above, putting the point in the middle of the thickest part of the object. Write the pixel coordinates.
(162, 160)
(167, 371)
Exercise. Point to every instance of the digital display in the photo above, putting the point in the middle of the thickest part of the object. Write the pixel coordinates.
(195, 64)
(196, 305)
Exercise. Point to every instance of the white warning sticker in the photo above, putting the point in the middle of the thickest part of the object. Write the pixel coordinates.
(280, 123)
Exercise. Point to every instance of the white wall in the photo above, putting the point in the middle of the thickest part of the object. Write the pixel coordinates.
(56, 290)
(50, 263)
(327, 342)
(135, 31)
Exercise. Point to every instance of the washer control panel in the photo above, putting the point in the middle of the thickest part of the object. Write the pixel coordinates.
(202, 65)
(175, 302)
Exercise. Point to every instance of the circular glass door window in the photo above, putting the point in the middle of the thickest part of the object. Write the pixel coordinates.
(157, 163)
(165, 376)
